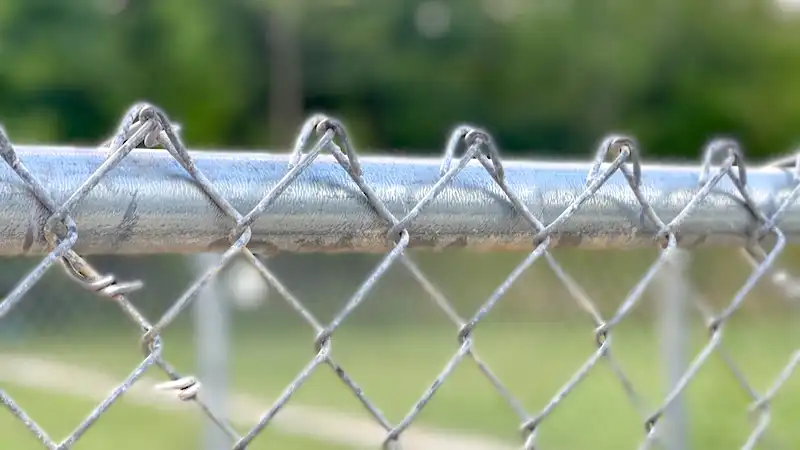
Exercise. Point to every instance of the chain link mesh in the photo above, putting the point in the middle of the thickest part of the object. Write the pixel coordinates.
(145, 125)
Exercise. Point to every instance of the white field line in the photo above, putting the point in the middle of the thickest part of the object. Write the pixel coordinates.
(321, 424)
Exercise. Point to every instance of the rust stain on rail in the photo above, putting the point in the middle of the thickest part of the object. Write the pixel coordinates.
(369, 242)
(377, 244)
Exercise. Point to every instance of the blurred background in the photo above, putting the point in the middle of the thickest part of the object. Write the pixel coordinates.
(548, 78)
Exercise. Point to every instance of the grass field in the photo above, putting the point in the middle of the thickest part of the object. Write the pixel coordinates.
(395, 366)
(126, 426)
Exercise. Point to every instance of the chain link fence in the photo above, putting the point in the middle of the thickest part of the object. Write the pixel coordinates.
(342, 207)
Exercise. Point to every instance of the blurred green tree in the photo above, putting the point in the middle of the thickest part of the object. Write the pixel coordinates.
(541, 75)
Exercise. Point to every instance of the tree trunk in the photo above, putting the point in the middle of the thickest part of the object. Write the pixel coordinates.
(285, 75)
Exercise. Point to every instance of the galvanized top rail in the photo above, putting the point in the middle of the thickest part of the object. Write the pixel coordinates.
(149, 204)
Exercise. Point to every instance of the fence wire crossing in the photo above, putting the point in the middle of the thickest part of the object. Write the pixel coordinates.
(145, 125)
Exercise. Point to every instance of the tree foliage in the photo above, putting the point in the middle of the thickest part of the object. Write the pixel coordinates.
(543, 75)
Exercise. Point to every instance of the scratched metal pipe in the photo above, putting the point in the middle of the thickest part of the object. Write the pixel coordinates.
(148, 204)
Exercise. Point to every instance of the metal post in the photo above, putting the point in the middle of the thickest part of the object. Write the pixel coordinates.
(212, 343)
(674, 340)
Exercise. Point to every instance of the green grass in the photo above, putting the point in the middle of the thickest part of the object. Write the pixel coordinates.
(123, 427)
(395, 366)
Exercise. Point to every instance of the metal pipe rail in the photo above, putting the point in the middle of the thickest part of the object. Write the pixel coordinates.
(149, 204)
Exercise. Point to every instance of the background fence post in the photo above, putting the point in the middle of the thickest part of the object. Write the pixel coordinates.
(212, 344)
(674, 289)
